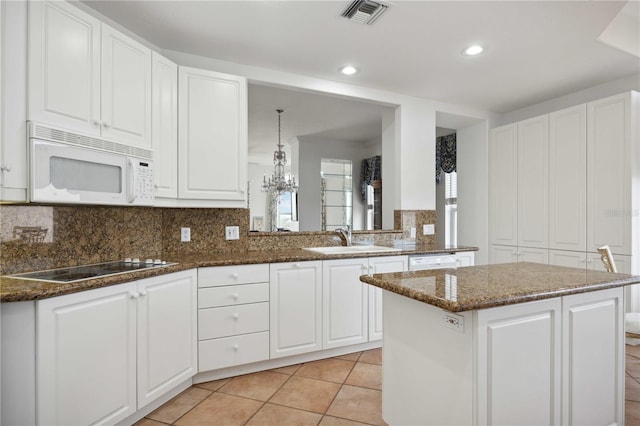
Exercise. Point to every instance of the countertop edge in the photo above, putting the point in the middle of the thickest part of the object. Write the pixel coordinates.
(451, 306)
(46, 290)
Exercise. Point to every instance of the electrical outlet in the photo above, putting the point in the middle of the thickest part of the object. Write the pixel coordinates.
(428, 229)
(453, 321)
(413, 232)
(185, 235)
(232, 232)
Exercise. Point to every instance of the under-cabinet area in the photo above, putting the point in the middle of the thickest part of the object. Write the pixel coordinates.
(147, 340)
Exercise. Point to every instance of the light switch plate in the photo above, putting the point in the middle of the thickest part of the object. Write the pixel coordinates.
(428, 229)
(185, 235)
(413, 232)
(232, 232)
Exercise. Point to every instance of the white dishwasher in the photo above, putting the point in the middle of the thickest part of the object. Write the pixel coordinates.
(421, 262)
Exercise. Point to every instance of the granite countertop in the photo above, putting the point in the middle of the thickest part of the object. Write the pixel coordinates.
(16, 290)
(479, 287)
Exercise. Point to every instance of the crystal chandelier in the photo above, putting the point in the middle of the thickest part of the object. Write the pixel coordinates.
(279, 182)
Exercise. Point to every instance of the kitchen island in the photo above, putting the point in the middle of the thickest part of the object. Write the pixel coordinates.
(518, 343)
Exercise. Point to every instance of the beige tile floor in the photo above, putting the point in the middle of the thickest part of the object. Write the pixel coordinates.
(339, 391)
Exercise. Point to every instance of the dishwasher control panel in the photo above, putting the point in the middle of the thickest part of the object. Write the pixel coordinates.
(440, 261)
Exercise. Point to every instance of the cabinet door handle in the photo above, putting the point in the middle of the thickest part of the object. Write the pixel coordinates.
(296, 265)
(135, 295)
(143, 293)
(106, 124)
(6, 168)
(97, 122)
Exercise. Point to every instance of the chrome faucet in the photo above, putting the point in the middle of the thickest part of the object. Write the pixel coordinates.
(345, 234)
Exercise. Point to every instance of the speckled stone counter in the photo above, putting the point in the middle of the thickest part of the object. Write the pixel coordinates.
(479, 287)
(15, 290)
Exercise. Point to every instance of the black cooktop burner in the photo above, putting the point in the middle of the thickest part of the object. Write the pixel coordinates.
(77, 273)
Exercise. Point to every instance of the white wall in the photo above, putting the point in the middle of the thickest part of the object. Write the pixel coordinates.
(473, 183)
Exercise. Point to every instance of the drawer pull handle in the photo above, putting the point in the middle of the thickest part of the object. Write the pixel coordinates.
(296, 265)
(236, 346)
(371, 267)
(235, 296)
(234, 275)
(236, 316)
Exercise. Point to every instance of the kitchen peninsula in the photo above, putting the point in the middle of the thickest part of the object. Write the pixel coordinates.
(517, 343)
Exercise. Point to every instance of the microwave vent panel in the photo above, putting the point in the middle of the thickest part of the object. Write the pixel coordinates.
(38, 131)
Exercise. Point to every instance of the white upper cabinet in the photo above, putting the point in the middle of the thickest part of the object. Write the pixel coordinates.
(87, 77)
(13, 102)
(533, 181)
(126, 89)
(613, 173)
(568, 179)
(164, 129)
(213, 120)
(503, 185)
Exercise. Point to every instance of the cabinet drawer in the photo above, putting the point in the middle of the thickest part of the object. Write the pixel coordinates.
(233, 295)
(229, 275)
(234, 350)
(232, 320)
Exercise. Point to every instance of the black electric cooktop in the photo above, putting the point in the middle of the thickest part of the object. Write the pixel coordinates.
(77, 273)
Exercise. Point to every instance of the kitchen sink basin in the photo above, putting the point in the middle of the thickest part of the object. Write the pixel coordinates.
(351, 249)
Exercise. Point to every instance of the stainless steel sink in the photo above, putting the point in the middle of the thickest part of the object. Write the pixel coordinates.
(351, 249)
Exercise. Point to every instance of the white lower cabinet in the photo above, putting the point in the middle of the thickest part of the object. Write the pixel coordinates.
(95, 348)
(508, 254)
(345, 301)
(518, 363)
(296, 308)
(381, 265)
(593, 358)
(233, 315)
(580, 259)
(465, 258)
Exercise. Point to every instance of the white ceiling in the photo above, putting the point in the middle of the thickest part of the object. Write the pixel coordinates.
(535, 50)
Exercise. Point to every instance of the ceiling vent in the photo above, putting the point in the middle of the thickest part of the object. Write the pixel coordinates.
(364, 11)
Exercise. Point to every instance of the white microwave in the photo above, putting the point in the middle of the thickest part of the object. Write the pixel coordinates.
(71, 168)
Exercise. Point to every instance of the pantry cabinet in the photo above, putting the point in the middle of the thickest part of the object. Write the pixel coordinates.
(613, 178)
(212, 141)
(99, 85)
(591, 183)
(567, 179)
(503, 185)
(296, 308)
(518, 181)
(103, 354)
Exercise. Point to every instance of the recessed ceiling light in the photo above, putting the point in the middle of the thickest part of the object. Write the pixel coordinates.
(348, 70)
(476, 49)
